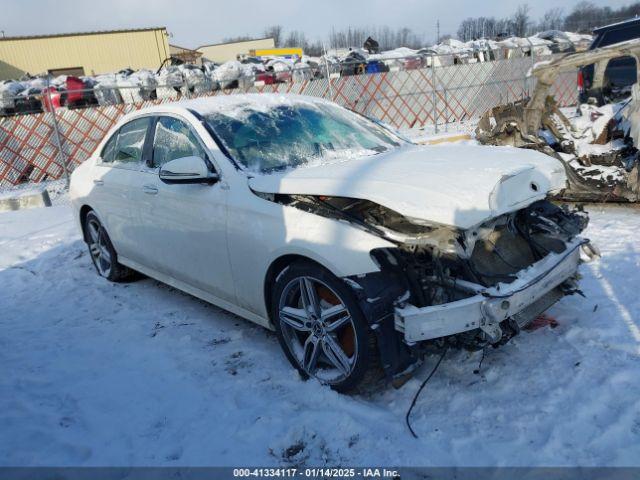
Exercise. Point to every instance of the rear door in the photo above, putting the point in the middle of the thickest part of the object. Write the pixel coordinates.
(120, 173)
(185, 224)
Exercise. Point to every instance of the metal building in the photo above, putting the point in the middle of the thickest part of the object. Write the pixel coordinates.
(86, 53)
(184, 55)
(223, 52)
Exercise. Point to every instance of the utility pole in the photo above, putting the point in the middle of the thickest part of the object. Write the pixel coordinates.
(438, 31)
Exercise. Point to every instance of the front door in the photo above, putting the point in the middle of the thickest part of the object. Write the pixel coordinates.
(185, 224)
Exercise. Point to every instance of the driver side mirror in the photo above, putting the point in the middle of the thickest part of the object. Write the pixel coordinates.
(187, 170)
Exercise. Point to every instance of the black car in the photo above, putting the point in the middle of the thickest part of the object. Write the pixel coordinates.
(620, 73)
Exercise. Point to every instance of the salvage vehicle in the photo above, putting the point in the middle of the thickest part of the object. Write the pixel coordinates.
(598, 148)
(16, 99)
(79, 92)
(560, 42)
(361, 250)
(619, 74)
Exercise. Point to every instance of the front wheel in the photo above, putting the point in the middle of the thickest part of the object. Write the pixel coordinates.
(321, 327)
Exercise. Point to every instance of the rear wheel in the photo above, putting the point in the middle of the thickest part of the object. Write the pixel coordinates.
(103, 255)
(321, 327)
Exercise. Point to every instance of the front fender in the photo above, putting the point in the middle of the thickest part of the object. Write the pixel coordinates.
(260, 235)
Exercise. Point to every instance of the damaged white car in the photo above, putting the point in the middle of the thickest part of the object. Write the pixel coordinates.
(362, 251)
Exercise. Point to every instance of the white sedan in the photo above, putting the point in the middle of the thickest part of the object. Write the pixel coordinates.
(360, 249)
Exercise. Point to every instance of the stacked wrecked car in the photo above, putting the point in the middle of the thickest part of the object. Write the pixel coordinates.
(597, 144)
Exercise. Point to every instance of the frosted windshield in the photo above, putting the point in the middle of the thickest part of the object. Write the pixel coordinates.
(277, 137)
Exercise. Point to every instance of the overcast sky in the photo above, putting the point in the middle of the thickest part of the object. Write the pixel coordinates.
(196, 22)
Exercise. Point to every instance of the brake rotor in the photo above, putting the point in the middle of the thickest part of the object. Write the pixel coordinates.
(346, 336)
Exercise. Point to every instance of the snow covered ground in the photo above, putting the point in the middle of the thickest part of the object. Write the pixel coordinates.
(94, 373)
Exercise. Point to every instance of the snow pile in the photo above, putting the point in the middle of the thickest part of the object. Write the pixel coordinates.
(579, 38)
(170, 81)
(137, 86)
(106, 90)
(227, 73)
(8, 90)
(397, 53)
(195, 80)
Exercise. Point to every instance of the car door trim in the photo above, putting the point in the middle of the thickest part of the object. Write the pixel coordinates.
(196, 292)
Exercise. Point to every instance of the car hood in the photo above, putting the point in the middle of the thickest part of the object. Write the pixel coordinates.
(456, 185)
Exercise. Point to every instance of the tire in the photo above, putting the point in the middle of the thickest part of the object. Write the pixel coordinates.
(329, 339)
(102, 253)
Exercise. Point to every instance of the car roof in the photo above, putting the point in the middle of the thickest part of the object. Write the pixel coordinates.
(224, 103)
(631, 22)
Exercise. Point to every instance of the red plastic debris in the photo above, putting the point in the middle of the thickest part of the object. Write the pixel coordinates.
(541, 321)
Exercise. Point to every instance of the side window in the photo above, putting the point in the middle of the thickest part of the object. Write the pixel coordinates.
(128, 151)
(109, 150)
(174, 139)
(619, 35)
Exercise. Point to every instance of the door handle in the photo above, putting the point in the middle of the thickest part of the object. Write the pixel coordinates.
(150, 189)
(98, 183)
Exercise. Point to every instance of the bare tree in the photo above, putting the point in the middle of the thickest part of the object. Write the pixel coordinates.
(296, 38)
(474, 28)
(275, 32)
(387, 39)
(586, 16)
(552, 19)
(239, 38)
(520, 21)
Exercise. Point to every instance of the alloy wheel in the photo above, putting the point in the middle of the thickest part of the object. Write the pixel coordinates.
(98, 247)
(318, 329)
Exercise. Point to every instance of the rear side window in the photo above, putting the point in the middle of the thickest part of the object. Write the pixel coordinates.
(619, 35)
(174, 139)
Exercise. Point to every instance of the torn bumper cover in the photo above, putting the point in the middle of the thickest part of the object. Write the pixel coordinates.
(532, 292)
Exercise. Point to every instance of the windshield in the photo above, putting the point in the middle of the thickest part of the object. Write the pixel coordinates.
(269, 137)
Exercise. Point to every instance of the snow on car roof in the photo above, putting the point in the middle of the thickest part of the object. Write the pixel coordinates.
(233, 104)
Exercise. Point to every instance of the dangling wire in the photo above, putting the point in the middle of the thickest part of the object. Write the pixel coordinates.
(415, 398)
(477, 370)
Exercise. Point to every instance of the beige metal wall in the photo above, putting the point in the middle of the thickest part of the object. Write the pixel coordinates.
(224, 52)
(100, 52)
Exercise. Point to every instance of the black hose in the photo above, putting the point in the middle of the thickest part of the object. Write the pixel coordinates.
(415, 398)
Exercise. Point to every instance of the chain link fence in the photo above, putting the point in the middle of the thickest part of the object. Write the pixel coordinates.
(47, 146)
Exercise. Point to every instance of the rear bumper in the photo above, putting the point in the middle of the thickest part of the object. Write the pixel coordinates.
(534, 287)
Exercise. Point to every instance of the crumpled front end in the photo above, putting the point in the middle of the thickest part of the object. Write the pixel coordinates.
(481, 286)
(499, 311)
(443, 286)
